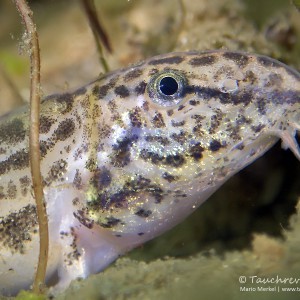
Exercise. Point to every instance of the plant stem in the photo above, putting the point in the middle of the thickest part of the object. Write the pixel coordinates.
(34, 148)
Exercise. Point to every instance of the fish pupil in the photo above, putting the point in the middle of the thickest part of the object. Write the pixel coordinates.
(168, 86)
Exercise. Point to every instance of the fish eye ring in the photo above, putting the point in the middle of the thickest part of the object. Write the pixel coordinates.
(166, 88)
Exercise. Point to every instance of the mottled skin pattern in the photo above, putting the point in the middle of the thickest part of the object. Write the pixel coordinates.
(122, 162)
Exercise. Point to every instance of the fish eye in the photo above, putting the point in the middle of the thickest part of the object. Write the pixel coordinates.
(166, 88)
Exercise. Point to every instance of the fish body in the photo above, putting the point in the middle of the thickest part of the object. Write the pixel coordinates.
(133, 153)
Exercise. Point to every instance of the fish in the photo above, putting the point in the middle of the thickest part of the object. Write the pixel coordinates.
(133, 153)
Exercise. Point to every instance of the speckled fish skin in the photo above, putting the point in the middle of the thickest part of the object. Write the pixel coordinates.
(122, 162)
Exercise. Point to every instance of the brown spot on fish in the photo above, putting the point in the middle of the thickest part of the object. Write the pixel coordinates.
(16, 161)
(2, 194)
(194, 102)
(12, 132)
(158, 120)
(128, 193)
(133, 74)
(180, 107)
(80, 91)
(258, 128)
(122, 91)
(275, 80)
(170, 112)
(143, 213)
(179, 194)
(250, 77)
(112, 106)
(268, 62)
(91, 164)
(239, 58)
(120, 158)
(169, 177)
(25, 183)
(57, 171)
(140, 88)
(120, 155)
(76, 201)
(11, 190)
(159, 139)
(196, 151)
(215, 145)
(135, 117)
(173, 160)
(173, 60)
(234, 131)
(17, 228)
(198, 130)
(77, 181)
(64, 130)
(215, 121)
(80, 216)
(198, 118)
(180, 137)
(45, 146)
(203, 61)
(110, 222)
(241, 120)
(104, 130)
(66, 100)
(145, 106)
(102, 178)
(45, 124)
(104, 89)
(261, 104)
(239, 98)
